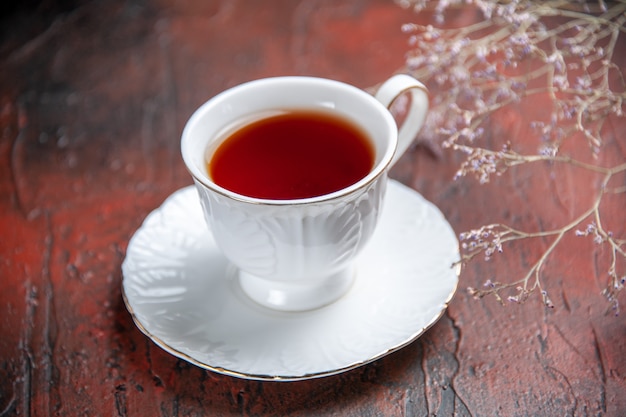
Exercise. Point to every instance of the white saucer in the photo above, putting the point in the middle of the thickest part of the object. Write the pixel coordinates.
(183, 294)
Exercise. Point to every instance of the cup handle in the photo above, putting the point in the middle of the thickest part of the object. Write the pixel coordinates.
(393, 88)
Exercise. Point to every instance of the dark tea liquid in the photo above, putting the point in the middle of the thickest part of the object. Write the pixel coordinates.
(294, 155)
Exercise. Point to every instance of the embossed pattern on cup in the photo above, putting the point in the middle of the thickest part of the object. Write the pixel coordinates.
(294, 242)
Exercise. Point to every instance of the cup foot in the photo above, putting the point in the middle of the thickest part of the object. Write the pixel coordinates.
(299, 295)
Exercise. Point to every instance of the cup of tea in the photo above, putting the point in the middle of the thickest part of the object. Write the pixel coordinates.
(291, 174)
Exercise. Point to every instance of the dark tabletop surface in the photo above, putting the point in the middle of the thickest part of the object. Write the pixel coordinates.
(93, 98)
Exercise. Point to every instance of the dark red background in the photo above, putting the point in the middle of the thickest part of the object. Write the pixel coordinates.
(93, 98)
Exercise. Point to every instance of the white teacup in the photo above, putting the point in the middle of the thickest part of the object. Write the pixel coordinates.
(297, 255)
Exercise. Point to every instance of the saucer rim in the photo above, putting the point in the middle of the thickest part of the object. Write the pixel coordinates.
(278, 378)
(289, 378)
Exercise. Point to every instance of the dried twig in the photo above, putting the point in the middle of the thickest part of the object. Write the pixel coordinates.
(558, 49)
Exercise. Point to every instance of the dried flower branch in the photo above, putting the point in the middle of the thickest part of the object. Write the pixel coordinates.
(522, 49)
(489, 239)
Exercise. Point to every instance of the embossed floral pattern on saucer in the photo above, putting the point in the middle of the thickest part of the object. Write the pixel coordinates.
(183, 294)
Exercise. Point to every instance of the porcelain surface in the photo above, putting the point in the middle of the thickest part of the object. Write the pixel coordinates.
(185, 296)
(293, 250)
(293, 243)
